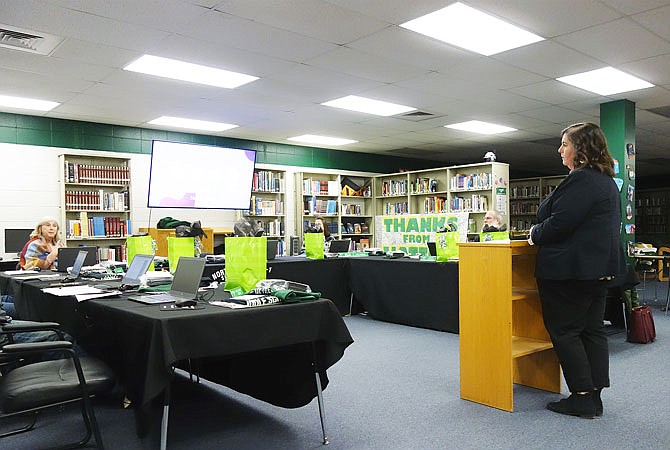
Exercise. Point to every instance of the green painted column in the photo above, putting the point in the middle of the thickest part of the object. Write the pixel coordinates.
(617, 119)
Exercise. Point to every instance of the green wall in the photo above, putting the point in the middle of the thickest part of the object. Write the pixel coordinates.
(43, 131)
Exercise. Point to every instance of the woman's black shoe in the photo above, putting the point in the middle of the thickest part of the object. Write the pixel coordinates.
(575, 405)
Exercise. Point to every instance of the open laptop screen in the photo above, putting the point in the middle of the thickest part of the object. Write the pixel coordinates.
(138, 267)
(78, 264)
(340, 246)
(187, 276)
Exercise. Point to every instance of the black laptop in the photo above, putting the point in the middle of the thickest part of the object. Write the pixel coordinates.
(432, 250)
(339, 246)
(67, 256)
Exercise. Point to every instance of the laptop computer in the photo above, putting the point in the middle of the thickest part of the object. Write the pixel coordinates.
(272, 248)
(184, 284)
(67, 255)
(76, 269)
(339, 246)
(131, 279)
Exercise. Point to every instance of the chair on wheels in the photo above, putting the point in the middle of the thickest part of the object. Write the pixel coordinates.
(30, 387)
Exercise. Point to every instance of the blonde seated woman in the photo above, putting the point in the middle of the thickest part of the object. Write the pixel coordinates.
(41, 251)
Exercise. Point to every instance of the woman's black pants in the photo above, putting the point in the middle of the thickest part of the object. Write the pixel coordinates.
(573, 312)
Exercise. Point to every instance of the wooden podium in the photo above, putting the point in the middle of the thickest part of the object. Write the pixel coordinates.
(160, 235)
(502, 336)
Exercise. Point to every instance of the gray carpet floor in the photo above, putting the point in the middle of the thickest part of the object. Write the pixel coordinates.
(397, 387)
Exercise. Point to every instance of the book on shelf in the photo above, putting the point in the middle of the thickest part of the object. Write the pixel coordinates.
(364, 243)
(96, 174)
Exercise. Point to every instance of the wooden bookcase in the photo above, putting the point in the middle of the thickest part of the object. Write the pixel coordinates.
(526, 194)
(472, 188)
(502, 336)
(268, 204)
(95, 202)
(347, 216)
(652, 217)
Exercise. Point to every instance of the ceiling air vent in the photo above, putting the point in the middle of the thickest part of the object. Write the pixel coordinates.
(27, 40)
(417, 116)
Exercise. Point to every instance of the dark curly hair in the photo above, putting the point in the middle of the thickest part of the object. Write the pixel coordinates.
(590, 147)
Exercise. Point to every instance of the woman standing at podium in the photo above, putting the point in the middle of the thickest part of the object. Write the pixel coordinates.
(578, 234)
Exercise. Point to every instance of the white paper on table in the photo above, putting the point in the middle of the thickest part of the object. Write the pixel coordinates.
(84, 297)
(72, 290)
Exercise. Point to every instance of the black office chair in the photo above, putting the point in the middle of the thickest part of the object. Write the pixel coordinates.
(33, 386)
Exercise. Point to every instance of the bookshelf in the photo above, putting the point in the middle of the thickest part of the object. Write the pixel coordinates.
(652, 214)
(500, 325)
(344, 201)
(472, 188)
(268, 204)
(95, 203)
(526, 194)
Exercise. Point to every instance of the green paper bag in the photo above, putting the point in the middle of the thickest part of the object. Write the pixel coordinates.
(178, 247)
(143, 245)
(494, 236)
(314, 245)
(446, 245)
(246, 261)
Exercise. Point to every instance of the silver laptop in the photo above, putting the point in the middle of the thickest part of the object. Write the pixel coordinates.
(184, 284)
(76, 268)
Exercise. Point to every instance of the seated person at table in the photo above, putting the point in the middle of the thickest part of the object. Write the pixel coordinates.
(32, 336)
(493, 222)
(321, 227)
(41, 251)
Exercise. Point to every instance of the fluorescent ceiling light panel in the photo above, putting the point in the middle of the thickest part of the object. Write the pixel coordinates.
(321, 140)
(27, 103)
(368, 105)
(194, 73)
(605, 81)
(477, 126)
(468, 28)
(192, 124)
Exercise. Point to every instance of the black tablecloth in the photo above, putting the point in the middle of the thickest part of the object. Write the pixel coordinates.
(409, 292)
(330, 277)
(265, 352)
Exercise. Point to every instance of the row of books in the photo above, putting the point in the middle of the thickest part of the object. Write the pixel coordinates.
(268, 181)
(395, 208)
(98, 226)
(354, 228)
(471, 181)
(435, 204)
(112, 253)
(266, 207)
(96, 200)
(393, 187)
(353, 209)
(476, 203)
(521, 224)
(318, 206)
(523, 208)
(311, 186)
(523, 192)
(651, 201)
(423, 185)
(273, 227)
(96, 174)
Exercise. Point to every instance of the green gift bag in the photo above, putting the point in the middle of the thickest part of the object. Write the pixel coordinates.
(314, 245)
(246, 260)
(446, 245)
(178, 247)
(135, 245)
(494, 236)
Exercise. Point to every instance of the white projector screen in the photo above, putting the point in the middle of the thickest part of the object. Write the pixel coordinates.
(186, 175)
